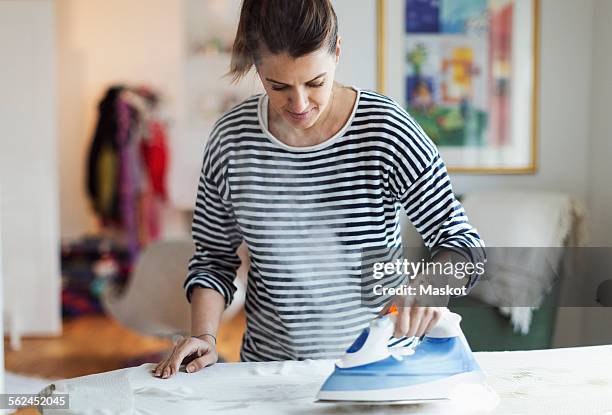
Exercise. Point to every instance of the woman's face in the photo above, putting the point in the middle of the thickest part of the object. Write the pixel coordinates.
(299, 89)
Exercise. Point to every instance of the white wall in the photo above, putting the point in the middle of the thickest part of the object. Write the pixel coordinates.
(101, 42)
(357, 27)
(1, 300)
(600, 157)
(598, 321)
(28, 166)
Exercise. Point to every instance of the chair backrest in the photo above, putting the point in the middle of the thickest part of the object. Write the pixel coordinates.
(154, 301)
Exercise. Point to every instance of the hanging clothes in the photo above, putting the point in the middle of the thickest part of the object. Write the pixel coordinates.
(103, 163)
(155, 154)
(127, 166)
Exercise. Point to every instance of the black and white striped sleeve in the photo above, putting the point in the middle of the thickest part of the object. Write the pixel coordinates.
(423, 187)
(215, 233)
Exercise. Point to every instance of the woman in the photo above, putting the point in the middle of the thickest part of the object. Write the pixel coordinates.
(311, 175)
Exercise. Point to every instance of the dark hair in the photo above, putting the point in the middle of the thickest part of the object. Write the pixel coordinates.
(295, 27)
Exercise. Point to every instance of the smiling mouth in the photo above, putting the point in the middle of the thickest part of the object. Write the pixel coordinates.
(299, 114)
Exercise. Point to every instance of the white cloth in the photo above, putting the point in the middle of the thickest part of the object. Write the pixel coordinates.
(15, 383)
(557, 381)
(104, 394)
(521, 219)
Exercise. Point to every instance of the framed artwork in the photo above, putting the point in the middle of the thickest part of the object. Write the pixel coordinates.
(467, 72)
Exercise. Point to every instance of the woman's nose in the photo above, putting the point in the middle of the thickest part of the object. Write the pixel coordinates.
(298, 101)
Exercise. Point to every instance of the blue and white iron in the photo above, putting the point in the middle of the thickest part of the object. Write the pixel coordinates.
(428, 370)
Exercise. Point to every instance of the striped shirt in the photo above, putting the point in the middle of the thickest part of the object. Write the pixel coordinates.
(308, 214)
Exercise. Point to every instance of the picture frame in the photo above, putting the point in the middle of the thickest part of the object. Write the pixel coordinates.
(467, 71)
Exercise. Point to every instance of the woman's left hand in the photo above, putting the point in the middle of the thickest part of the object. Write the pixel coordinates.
(418, 313)
(412, 318)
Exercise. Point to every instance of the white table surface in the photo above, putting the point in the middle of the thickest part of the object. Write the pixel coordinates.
(557, 381)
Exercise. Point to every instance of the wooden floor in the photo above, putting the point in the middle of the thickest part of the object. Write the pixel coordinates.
(94, 344)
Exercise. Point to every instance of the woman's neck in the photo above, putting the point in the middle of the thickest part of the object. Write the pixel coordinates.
(329, 123)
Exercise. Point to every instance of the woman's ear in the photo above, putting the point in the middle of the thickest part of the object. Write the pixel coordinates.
(338, 48)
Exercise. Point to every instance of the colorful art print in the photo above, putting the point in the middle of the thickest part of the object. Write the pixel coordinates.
(466, 71)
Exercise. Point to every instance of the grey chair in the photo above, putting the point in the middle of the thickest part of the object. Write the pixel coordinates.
(154, 301)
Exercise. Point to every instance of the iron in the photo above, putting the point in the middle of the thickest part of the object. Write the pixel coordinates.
(375, 370)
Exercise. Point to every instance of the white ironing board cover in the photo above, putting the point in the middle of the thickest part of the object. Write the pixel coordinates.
(556, 381)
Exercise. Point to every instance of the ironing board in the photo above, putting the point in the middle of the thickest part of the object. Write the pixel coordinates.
(557, 381)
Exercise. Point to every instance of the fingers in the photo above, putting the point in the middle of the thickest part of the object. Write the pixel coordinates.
(437, 314)
(426, 317)
(159, 369)
(416, 316)
(402, 324)
(197, 353)
(171, 364)
(207, 359)
(385, 309)
(416, 320)
(164, 372)
(185, 349)
(430, 317)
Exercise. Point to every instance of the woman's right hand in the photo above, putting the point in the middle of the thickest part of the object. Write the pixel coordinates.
(196, 353)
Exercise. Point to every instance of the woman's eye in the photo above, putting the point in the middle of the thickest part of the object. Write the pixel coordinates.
(280, 88)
